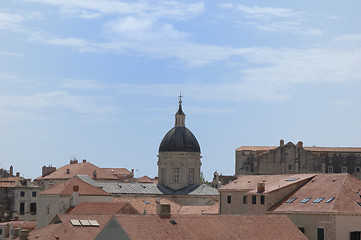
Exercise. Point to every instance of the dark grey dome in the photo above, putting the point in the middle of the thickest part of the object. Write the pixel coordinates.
(179, 139)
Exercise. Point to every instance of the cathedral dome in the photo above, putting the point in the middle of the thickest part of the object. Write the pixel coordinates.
(179, 139)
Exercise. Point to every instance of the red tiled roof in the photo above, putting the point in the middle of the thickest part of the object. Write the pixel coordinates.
(272, 182)
(209, 227)
(65, 230)
(146, 179)
(149, 205)
(313, 149)
(187, 227)
(118, 171)
(66, 188)
(342, 187)
(28, 225)
(205, 209)
(99, 208)
(9, 181)
(84, 168)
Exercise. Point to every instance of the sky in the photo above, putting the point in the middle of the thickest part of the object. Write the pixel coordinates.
(100, 79)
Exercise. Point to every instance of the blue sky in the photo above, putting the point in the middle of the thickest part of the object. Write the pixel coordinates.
(99, 79)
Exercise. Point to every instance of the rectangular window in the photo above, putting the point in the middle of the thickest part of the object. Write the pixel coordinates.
(330, 169)
(357, 169)
(330, 154)
(344, 154)
(320, 234)
(176, 175)
(229, 199)
(163, 175)
(330, 200)
(22, 208)
(318, 200)
(305, 200)
(254, 199)
(262, 199)
(247, 168)
(22, 194)
(33, 208)
(190, 176)
(289, 167)
(290, 200)
(245, 199)
(33, 194)
(355, 235)
(344, 169)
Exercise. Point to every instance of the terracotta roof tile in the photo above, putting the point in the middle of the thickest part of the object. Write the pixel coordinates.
(199, 210)
(146, 179)
(149, 205)
(313, 149)
(209, 227)
(84, 168)
(66, 188)
(9, 181)
(272, 182)
(65, 230)
(118, 171)
(342, 187)
(99, 208)
(185, 227)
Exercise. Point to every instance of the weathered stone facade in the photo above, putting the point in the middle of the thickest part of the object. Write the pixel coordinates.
(290, 159)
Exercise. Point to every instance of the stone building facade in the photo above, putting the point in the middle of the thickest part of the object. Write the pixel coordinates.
(291, 159)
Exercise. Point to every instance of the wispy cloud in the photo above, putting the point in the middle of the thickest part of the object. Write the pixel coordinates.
(96, 8)
(54, 103)
(10, 20)
(82, 84)
(271, 19)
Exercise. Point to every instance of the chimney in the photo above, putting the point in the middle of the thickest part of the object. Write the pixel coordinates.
(163, 210)
(11, 170)
(282, 143)
(84, 160)
(75, 199)
(16, 232)
(300, 144)
(18, 174)
(261, 187)
(73, 161)
(23, 234)
(47, 170)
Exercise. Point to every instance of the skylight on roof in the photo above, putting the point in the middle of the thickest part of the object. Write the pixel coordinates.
(359, 203)
(318, 200)
(94, 223)
(291, 200)
(146, 202)
(75, 222)
(85, 223)
(305, 200)
(329, 200)
(291, 179)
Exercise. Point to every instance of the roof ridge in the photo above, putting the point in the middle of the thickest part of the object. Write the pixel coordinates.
(339, 191)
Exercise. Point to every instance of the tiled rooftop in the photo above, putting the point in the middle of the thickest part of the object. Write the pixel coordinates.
(328, 193)
(101, 208)
(84, 168)
(148, 205)
(313, 149)
(150, 188)
(272, 182)
(209, 227)
(66, 188)
(199, 210)
(175, 227)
